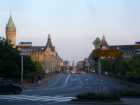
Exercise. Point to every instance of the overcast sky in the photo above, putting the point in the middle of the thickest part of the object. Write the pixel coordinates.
(73, 24)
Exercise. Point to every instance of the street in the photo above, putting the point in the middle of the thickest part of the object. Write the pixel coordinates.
(61, 89)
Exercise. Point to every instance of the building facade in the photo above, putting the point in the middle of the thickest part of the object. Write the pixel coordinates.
(45, 55)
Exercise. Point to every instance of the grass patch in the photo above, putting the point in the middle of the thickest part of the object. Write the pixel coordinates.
(97, 97)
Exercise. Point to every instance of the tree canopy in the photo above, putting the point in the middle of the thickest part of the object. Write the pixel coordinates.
(97, 43)
(123, 68)
(10, 63)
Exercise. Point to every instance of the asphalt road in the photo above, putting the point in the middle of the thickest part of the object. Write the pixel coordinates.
(60, 89)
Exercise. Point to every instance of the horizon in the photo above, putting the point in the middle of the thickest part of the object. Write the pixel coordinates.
(73, 25)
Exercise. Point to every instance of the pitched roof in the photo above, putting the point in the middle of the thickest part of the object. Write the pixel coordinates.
(104, 42)
(49, 43)
(10, 22)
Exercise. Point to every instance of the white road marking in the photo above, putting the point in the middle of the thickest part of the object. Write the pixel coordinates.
(35, 98)
(54, 83)
(66, 80)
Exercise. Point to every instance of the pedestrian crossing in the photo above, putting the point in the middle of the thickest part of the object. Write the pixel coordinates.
(35, 98)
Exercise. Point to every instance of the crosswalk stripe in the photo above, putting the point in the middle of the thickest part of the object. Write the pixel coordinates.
(35, 98)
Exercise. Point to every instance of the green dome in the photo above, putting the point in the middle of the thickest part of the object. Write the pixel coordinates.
(10, 22)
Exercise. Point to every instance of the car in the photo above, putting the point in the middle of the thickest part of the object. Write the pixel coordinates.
(10, 89)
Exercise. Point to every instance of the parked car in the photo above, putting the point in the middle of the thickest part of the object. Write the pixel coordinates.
(10, 89)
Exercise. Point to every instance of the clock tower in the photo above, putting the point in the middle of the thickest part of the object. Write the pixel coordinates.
(11, 32)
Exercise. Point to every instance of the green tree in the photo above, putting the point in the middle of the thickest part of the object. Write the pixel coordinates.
(10, 63)
(128, 69)
(97, 43)
(106, 65)
(9, 60)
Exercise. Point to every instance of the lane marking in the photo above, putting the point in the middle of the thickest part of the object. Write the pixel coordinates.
(66, 80)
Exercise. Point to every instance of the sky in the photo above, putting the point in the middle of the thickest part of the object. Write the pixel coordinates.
(73, 24)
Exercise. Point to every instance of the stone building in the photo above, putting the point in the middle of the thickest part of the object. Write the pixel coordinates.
(46, 55)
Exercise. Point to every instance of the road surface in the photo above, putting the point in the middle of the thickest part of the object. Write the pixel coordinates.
(61, 89)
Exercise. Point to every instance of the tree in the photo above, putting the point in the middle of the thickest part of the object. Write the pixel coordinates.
(9, 60)
(10, 63)
(106, 65)
(97, 43)
(128, 69)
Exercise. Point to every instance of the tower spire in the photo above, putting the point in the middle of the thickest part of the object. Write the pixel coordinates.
(49, 43)
(104, 44)
(10, 22)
